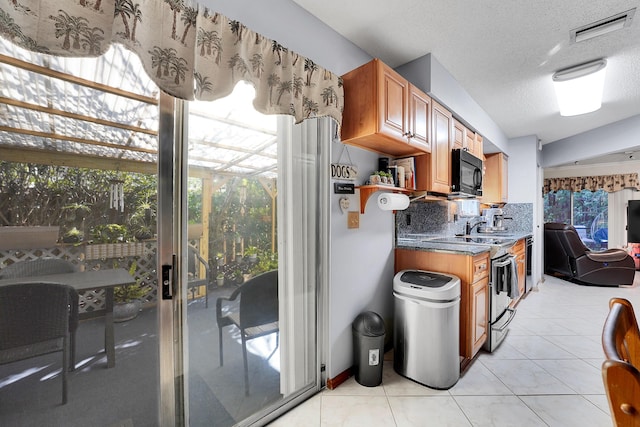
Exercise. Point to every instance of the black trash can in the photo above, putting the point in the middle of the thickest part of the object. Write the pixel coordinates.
(368, 348)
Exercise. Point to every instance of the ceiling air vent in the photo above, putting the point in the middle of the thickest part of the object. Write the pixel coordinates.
(604, 26)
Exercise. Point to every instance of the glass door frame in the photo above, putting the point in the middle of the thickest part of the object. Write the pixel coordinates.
(172, 225)
(170, 177)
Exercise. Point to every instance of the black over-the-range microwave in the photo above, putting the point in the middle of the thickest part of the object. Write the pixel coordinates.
(466, 173)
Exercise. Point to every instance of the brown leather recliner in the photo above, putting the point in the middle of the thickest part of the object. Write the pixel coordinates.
(566, 255)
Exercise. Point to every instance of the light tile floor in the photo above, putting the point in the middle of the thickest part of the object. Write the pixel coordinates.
(546, 373)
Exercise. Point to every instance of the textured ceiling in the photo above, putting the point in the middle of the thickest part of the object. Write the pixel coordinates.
(502, 53)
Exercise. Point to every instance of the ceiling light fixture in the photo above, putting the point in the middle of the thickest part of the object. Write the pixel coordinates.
(579, 88)
(602, 27)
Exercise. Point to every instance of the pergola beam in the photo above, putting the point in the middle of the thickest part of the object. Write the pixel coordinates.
(76, 80)
(48, 135)
(54, 158)
(81, 117)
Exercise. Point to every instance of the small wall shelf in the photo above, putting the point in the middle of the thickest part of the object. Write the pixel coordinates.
(367, 190)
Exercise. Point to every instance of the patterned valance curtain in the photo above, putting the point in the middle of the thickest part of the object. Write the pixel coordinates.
(608, 183)
(188, 51)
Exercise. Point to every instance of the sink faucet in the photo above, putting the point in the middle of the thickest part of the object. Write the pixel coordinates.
(468, 227)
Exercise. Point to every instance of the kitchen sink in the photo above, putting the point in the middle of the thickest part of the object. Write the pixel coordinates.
(475, 239)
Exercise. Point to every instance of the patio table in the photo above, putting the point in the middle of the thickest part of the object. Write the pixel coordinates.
(88, 280)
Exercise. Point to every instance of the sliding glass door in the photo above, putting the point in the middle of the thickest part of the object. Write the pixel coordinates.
(213, 215)
(250, 227)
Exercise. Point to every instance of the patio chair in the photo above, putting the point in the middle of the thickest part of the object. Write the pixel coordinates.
(621, 345)
(41, 267)
(256, 316)
(34, 321)
(194, 277)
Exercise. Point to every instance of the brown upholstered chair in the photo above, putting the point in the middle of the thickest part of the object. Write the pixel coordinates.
(257, 314)
(621, 345)
(34, 321)
(41, 267)
(565, 254)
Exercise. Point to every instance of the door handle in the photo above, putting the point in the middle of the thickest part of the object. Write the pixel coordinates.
(168, 280)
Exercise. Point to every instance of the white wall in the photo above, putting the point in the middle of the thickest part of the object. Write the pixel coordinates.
(524, 176)
(523, 168)
(361, 263)
(612, 138)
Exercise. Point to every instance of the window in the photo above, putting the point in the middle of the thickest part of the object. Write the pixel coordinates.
(586, 210)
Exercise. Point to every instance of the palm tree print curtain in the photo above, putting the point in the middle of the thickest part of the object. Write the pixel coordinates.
(608, 183)
(189, 51)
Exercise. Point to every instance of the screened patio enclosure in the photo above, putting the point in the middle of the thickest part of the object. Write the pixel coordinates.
(103, 114)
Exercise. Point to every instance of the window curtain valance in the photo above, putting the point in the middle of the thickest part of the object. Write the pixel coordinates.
(608, 183)
(188, 51)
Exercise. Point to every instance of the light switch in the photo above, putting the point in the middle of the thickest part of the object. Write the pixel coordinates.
(353, 219)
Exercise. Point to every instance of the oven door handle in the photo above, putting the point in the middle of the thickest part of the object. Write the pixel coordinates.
(512, 314)
(503, 263)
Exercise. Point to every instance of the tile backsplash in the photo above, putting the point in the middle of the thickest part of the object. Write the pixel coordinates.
(440, 218)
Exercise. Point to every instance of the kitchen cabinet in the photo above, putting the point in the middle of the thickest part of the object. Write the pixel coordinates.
(495, 184)
(419, 119)
(519, 251)
(459, 135)
(383, 112)
(433, 172)
(478, 147)
(465, 138)
(479, 315)
(473, 271)
(442, 123)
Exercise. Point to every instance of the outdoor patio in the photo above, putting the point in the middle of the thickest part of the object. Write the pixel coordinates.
(80, 156)
(30, 390)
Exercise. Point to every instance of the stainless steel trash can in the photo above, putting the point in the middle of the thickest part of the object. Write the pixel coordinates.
(368, 348)
(426, 327)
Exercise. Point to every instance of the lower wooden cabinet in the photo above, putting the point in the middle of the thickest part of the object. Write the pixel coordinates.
(473, 272)
(519, 250)
(479, 296)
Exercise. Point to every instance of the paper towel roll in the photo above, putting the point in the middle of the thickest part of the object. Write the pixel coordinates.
(393, 202)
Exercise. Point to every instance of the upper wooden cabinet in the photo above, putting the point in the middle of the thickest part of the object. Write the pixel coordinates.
(419, 119)
(478, 149)
(495, 182)
(433, 172)
(442, 135)
(384, 113)
(459, 135)
(466, 139)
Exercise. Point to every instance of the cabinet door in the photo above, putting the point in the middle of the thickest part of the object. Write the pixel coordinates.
(521, 263)
(494, 185)
(478, 147)
(505, 178)
(479, 313)
(392, 92)
(470, 141)
(458, 135)
(442, 122)
(419, 119)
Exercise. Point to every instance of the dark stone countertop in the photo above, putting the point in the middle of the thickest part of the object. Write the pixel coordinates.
(425, 243)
